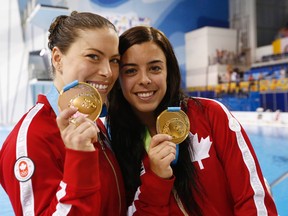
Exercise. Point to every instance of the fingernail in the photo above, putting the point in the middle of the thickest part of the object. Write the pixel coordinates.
(73, 107)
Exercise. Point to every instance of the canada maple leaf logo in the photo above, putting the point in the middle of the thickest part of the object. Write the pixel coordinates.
(201, 149)
(23, 169)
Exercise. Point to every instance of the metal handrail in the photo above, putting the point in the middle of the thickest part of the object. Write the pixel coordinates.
(279, 179)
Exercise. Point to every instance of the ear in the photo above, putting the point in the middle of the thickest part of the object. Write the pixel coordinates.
(57, 59)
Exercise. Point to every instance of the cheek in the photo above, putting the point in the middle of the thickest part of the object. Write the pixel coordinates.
(125, 86)
(70, 76)
(163, 92)
(77, 70)
(115, 73)
(113, 78)
(162, 83)
(114, 67)
(164, 88)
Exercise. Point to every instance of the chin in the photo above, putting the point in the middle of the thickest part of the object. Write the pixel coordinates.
(144, 109)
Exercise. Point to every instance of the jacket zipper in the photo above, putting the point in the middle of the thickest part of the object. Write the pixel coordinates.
(117, 183)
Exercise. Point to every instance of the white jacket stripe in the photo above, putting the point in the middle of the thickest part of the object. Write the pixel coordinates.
(26, 190)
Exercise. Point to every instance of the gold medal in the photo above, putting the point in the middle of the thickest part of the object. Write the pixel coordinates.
(84, 97)
(174, 123)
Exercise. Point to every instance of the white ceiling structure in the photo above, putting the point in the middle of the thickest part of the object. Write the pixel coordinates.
(43, 15)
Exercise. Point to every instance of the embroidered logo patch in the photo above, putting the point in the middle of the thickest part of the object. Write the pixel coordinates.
(23, 169)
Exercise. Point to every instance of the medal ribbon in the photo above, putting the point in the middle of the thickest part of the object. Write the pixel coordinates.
(175, 109)
(52, 97)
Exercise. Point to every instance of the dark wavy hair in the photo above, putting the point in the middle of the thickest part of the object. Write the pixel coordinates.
(128, 133)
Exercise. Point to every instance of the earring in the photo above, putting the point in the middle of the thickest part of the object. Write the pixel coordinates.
(59, 68)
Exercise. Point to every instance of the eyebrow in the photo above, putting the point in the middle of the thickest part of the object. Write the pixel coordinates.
(99, 51)
(134, 65)
(127, 65)
(155, 61)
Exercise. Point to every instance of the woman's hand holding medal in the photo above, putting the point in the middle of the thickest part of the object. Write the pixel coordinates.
(80, 105)
(173, 127)
(77, 133)
(161, 153)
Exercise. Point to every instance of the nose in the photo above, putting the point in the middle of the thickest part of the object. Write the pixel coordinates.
(105, 69)
(144, 78)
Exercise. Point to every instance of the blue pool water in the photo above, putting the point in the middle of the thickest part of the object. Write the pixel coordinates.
(271, 147)
(5, 206)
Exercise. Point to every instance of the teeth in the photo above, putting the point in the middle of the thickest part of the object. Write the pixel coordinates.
(99, 86)
(146, 94)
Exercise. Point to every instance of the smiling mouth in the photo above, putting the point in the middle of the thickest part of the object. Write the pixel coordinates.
(98, 86)
(145, 94)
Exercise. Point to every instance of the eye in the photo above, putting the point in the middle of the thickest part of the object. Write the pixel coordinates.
(115, 61)
(129, 71)
(93, 56)
(155, 69)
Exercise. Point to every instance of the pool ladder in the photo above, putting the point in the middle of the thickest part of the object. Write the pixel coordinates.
(279, 179)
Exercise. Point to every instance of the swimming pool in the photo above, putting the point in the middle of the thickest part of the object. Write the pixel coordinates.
(5, 206)
(271, 147)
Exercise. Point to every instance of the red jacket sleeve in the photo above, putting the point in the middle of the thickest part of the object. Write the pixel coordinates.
(232, 156)
(152, 197)
(60, 180)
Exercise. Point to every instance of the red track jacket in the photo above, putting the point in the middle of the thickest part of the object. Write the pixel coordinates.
(42, 177)
(228, 171)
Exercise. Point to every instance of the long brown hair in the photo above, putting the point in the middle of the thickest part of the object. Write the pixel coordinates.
(127, 131)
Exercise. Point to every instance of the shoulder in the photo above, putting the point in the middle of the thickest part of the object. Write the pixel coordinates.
(31, 127)
(204, 109)
(39, 121)
(26, 121)
(206, 104)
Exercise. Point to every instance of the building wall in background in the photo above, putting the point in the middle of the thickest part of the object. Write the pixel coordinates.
(173, 17)
(14, 91)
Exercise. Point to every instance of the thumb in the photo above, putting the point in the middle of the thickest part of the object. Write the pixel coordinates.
(64, 116)
(159, 138)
